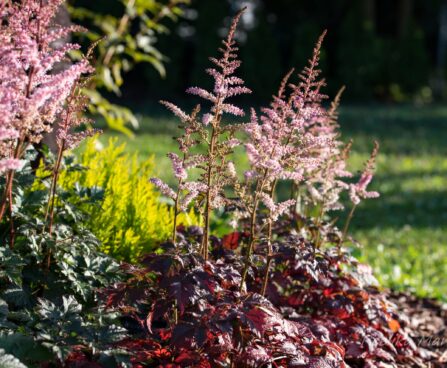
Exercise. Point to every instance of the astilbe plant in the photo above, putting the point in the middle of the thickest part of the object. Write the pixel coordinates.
(358, 191)
(325, 185)
(33, 94)
(52, 268)
(285, 146)
(218, 138)
(186, 191)
(281, 291)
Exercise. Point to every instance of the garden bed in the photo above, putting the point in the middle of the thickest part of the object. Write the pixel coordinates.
(427, 323)
(278, 287)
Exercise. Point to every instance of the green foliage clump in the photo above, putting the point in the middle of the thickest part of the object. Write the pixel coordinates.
(132, 218)
(49, 281)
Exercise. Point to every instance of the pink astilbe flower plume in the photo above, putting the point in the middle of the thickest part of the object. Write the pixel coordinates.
(177, 111)
(186, 191)
(297, 139)
(283, 144)
(28, 58)
(226, 85)
(71, 118)
(164, 188)
(212, 132)
(34, 90)
(326, 184)
(32, 95)
(309, 88)
(358, 191)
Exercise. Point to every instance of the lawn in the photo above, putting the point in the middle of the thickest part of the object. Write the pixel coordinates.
(404, 232)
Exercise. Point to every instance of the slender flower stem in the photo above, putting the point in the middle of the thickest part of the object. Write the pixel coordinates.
(209, 183)
(269, 245)
(175, 313)
(259, 188)
(318, 223)
(174, 226)
(251, 241)
(54, 186)
(345, 229)
(176, 209)
(7, 194)
(11, 222)
(176, 204)
(51, 203)
(269, 260)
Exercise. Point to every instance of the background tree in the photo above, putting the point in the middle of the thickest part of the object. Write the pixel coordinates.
(124, 33)
(382, 50)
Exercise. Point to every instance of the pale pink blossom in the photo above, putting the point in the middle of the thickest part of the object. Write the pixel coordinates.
(231, 169)
(234, 142)
(276, 209)
(201, 93)
(10, 164)
(177, 111)
(8, 133)
(195, 160)
(193, 189)
(178, 167)
(207, 119)
(231, 109)
(234, 91)
(33, 92)
(164, 188)
(358, 191)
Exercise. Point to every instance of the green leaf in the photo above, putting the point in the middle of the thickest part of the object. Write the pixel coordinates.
(24, 348)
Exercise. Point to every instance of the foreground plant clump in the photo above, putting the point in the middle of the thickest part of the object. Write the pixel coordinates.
(281, 290)
(50, 264)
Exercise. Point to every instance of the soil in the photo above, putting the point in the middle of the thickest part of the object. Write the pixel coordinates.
(426, 323)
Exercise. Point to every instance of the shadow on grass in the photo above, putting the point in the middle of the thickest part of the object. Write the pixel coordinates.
(400, 130)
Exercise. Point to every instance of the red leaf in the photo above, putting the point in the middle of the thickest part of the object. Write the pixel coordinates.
(186, 357)
(231, 241)
(394, 325)
(161, 353)
(165, 334)
(257, 319)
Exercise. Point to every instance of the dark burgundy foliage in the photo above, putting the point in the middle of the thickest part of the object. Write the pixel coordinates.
(321, 310)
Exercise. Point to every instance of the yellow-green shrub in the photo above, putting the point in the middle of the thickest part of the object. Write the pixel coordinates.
(131, 219)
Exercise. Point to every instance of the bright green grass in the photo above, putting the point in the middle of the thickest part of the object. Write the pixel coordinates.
(404, 233)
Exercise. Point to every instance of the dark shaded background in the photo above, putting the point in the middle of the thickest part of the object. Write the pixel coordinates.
(383, 50)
